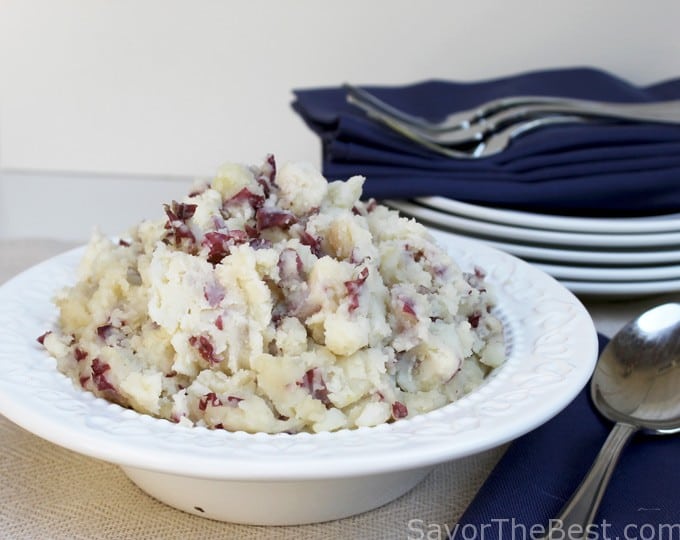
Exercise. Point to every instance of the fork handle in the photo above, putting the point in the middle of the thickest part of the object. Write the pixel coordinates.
(662, 111)
(581, 509)
(492, 114)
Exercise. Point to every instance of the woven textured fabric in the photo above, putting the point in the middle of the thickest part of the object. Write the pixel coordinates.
(48, 492)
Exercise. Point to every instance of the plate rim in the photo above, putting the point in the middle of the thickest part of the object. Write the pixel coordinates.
(657, 223)
(616, 274)
(619, 289)
(158, 445)
(639, 258)
(507, 232)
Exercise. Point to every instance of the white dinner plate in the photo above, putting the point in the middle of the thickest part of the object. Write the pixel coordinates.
(495, 231)
(588, 256)
(635, 225)
(621, 289)
(592, 281)
(601, 273)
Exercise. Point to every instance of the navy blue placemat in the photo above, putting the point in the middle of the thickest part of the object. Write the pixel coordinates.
(540, 471)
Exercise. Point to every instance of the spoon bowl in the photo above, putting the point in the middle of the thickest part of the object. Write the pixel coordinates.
(636, 384)
(637, 378)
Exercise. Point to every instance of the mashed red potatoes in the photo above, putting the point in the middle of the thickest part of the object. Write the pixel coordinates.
(270, 300)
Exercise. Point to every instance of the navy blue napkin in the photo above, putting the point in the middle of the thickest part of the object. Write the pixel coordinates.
(582, 169)
(540, 470)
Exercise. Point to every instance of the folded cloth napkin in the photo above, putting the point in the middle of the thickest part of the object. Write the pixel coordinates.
(540, 471)
(582, 169)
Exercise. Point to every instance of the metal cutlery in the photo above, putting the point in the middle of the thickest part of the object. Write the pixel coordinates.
(457, 120)
(490, 128)
(497, 110)
(635, 384)
(492, 143)
(478, 131)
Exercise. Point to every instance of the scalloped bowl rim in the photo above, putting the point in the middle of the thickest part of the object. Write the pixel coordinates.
(552, 350)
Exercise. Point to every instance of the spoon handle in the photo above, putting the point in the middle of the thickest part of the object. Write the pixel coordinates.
(580, 510)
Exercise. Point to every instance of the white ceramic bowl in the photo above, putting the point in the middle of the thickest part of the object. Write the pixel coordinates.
(293, 479)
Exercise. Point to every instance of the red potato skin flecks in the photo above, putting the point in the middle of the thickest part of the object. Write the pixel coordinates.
(313, 382)
(99, 370)
(399, 410)
(353, 286)
(289, 269)
(267, 218)
(219, 243)
(41, 338)
(205, 349)
(312, 242)
(209, 399)
(245, 195)
(214, 293)
(178, 231)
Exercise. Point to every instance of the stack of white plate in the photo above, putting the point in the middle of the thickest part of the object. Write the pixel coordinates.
(615, 257)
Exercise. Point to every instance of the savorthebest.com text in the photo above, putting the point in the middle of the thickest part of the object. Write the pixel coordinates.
(511, 529)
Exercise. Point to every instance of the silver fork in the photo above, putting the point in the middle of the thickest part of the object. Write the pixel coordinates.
(493, 134)
(505, 109)
(663, 112)
(493, 143)
(457, 120)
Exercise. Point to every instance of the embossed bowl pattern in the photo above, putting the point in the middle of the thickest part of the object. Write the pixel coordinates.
(551, 347)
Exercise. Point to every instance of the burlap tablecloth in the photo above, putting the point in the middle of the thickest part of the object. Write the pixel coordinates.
(47, 492)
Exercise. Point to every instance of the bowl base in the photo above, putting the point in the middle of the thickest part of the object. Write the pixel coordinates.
(276, 502)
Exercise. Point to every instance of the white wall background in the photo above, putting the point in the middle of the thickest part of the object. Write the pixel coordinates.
(106, 106)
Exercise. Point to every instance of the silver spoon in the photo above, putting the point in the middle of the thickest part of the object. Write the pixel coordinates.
(636, 384)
